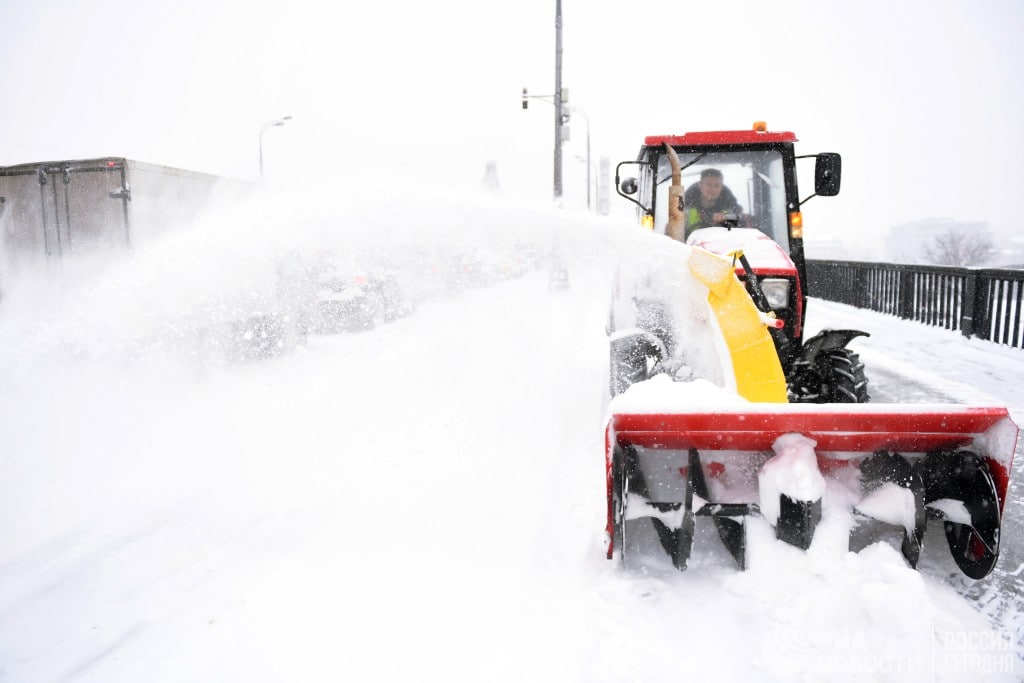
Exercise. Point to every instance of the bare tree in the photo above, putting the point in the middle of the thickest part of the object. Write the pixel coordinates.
(959, 248)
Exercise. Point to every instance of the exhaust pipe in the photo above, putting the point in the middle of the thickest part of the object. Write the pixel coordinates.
(675, 228)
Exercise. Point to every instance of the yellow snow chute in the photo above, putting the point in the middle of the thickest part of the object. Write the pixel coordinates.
(755, 361)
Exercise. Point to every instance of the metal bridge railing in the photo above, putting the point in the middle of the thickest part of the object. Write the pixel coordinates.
(980, 302)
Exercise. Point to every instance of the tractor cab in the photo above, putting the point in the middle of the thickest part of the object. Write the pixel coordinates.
(751, 207)
(757, 167)
(754, 181)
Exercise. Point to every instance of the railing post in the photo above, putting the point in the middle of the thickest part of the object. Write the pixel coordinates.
(976, 318)
(905, 293)
(861, 294)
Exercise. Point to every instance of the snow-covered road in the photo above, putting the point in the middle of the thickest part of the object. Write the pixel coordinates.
(425, 501)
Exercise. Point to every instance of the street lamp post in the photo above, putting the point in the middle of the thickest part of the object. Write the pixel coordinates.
(560, 105)
(586, 120)
(270, 124)
(558, 101)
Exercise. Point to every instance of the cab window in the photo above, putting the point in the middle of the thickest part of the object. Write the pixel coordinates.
(755, 178)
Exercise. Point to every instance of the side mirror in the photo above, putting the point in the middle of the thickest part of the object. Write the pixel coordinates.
(828, 171)
(628, 186)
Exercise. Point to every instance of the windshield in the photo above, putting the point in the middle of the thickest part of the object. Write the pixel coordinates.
(753, 177)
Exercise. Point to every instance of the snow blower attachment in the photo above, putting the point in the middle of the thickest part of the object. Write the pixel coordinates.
(904, 465)
(729, 448)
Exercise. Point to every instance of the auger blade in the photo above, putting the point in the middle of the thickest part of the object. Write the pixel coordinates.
(945, 462)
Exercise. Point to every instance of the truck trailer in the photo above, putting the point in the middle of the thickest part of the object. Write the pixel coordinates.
(54, 213)
(53, 210)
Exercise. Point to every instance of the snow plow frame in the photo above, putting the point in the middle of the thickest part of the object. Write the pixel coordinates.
(848, 436)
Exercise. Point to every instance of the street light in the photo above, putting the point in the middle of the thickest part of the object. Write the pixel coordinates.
(561, 130)
(586, 119)
(559, 121)
(270, 124)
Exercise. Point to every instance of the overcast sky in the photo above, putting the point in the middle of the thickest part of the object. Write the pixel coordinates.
(922, 98)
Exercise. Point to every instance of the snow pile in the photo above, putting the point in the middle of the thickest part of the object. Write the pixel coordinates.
(757, 246)
(857, 616)
(952, 510)
(892, 504)
(661, 394)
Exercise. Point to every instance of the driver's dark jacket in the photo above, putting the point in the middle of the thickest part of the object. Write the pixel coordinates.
(700, 216)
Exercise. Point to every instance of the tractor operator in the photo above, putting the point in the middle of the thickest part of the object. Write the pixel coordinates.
(707, 201)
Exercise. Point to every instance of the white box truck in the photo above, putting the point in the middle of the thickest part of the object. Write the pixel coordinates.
(55, 209)
(53, 212)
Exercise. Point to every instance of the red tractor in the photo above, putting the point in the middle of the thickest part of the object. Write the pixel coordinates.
(758, 170)
(722, 428)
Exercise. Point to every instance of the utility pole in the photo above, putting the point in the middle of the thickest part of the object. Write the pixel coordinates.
(558, 100)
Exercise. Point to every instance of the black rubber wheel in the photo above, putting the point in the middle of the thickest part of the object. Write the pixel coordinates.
(835, 376)
(845, 375)
(623, 372)
(628, 360)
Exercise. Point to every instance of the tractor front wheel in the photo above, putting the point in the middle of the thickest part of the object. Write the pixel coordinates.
(834, 376)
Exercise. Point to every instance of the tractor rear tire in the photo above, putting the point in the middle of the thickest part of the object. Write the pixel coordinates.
(628, 361)
(624, 372)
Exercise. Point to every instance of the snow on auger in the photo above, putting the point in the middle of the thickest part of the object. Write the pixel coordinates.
(721, 409)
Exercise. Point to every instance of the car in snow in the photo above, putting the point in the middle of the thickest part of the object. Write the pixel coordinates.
(558, 276)
(350, 296)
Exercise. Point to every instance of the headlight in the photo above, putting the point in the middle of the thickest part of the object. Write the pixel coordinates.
(776, 290)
